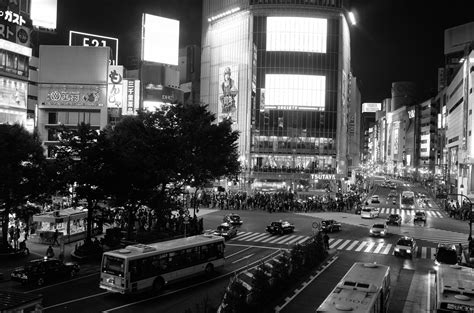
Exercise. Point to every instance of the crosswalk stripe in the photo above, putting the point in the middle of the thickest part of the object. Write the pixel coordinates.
(369, 246)
(387, 249)
(362, 244)
(332, 245)
(269, 238)
(379, 247)
(344, 244)
(305, 238)
(295, 239)
(275, 240)
(248, 235)
(352, 245)
(287, 238)
(253, 238)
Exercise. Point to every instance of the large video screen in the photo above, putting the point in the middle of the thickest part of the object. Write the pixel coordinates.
(295, 92)
(44, 13)
(299, 34)
(160, 39)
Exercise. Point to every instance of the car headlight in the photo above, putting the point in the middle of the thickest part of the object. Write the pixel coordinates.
(408, 251)
(371, 231)
(383, 232)
(397, 249)
(224, 234)
(24, 276)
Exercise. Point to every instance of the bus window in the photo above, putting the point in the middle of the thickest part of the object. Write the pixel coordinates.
(113, 265)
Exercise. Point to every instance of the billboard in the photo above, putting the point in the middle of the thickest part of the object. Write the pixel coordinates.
(44, 13)
(228, 92)
(13, 93)
(301, 34)
(115, 87)
(91, 40)
(371, 107)
(73, 95)
(131, 96)
(295, 92)
(160, 39)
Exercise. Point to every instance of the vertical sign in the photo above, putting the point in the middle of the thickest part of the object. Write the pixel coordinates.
(131, 96)
(228, 90)
(114, 86)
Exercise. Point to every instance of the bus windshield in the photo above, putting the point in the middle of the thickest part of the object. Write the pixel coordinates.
(113, 265)
(407, 200)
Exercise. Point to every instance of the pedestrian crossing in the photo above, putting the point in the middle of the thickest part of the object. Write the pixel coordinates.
(338, 244)
(403, 212)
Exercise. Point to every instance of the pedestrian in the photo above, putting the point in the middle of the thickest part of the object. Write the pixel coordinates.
(55, 237)
(326, 241)
(50, 252)
(26, 233)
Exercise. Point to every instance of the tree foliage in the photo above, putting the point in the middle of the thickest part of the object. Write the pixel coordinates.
(21, 162)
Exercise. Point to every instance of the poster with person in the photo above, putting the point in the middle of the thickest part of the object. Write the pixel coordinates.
(228, 90)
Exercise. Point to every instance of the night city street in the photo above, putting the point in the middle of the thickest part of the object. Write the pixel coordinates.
(216, 156)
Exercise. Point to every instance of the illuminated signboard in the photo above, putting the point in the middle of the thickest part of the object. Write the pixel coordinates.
(13, 47)
(13, 93)
(303, 34)
(75, 96)
(44, 13)
(411, 113)
(91, 40)
(160, 39)
(12, 17)
(371, 107)
(115, 87)
(323, 176)
(295, 92)
(131, 96)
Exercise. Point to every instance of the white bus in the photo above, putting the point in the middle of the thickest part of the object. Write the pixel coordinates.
(139, 267)
(407, 200)
(454, 292)
(365, 288)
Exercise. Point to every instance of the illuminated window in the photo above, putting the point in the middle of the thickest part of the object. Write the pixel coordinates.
(295, 92)
(301, 34)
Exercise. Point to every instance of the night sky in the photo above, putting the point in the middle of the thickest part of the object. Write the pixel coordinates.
(393, 41)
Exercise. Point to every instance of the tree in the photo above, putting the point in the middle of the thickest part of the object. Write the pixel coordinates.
(80, 160)
(21, 160)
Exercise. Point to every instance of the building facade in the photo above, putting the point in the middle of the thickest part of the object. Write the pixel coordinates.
(72, 88)
(280, 71)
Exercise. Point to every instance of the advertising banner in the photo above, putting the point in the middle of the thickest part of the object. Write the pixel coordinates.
(228, 91)
(115, 87)
(131, 91)
(72, 95)
(160, 39)
(13, 93)
(395, 138)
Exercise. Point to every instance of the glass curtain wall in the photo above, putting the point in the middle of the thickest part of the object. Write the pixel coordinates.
(294, 118)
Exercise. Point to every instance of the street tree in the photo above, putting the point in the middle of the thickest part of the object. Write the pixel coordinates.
(80, 159)
(21, 161)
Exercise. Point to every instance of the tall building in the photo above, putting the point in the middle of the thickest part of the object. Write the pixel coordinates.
(280, 71)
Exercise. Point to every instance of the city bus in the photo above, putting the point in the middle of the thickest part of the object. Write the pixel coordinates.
(454, 292)
(139, 267)
(407, 200)
(365, 288)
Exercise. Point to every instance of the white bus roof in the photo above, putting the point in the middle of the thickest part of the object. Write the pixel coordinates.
(456, 284)
(356, 292)
(164, 246)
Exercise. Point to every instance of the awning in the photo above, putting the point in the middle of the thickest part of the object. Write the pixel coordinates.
(61, 215)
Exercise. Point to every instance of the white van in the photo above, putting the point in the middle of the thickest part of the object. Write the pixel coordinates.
(369, 212)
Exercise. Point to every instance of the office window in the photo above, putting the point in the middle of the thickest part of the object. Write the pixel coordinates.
(52, 118)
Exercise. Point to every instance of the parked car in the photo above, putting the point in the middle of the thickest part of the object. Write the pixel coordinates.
(369, 212)
(46, 270)
(375, 199)
(447, 254)
(420, 216)
(379, 230)
(226, 230)
(280, 227)
(233, 219)
(394, 219)
(406, 246)
(330, 226)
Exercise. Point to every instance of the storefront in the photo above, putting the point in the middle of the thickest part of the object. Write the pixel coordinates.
(71, 224)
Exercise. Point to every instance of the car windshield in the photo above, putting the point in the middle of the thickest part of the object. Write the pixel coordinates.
(448, 256)
(393, 216)
(235, 217)
(31, 266)
(378, 226)
(366, 210)
(420, 213)
(404, 242)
